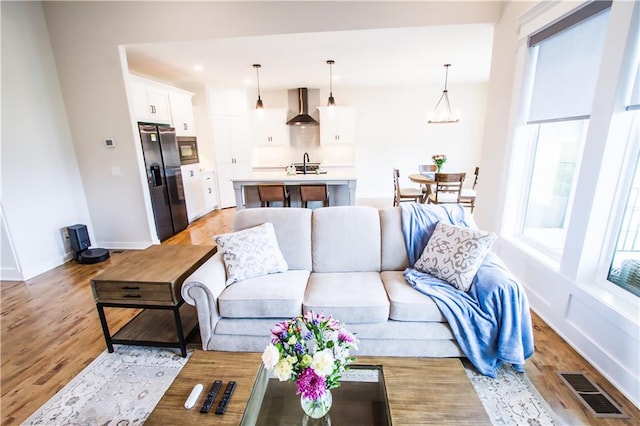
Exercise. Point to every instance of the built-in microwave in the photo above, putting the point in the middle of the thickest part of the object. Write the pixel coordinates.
(188, 149)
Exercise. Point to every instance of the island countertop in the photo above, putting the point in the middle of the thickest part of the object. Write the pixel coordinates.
(342, 186)
(270, 177)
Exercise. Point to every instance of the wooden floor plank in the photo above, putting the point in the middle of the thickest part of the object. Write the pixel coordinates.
(50, 332)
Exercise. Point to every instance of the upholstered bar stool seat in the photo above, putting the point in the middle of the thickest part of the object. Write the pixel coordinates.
(273, 193)
(316, 192)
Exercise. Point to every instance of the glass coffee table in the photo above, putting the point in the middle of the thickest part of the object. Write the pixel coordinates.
(361, 398)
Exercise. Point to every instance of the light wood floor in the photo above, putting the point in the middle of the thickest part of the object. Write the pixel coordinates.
(50, 332)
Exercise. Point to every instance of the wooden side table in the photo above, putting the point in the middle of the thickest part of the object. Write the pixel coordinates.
(151, 279)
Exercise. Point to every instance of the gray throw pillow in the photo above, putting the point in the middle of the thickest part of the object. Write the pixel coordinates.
(455, 253)
(252, 252)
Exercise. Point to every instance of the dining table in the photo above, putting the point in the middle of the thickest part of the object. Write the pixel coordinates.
(425, 181)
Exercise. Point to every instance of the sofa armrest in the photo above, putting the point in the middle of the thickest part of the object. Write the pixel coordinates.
(201, 289)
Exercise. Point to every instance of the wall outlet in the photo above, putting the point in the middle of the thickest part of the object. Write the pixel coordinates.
(66, 242)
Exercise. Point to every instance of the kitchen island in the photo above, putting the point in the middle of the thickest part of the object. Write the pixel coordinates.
(342, 187)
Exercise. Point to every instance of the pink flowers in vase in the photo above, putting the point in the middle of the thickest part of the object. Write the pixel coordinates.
(439, 160)
(310, 350)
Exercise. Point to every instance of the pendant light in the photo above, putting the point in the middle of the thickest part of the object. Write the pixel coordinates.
(331, 102)
(444, 114)
(259, 104)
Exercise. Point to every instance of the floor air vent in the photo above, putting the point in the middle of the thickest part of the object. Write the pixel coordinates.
(595, 399)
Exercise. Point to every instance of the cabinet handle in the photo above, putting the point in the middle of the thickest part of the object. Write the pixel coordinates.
(191, 173)
(130, 288)
(209, 190)
(132, 296)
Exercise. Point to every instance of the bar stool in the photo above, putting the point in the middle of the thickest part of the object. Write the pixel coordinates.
(315, 192)
(273, 192)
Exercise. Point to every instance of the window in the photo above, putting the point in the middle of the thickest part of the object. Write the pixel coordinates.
(566, 57)
(557, 151)
(625, 265)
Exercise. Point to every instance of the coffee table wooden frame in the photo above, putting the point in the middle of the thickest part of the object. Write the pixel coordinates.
(420, 390)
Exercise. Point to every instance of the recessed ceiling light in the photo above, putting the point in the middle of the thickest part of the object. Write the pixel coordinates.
(198, 67)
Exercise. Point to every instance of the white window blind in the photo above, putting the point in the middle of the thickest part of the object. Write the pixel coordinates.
(567, 71)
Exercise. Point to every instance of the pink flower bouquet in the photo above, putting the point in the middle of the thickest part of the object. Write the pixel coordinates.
(310, 350)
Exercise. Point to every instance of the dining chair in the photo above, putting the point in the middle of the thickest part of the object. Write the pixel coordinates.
(448, 188)
(427, 170)
(404, 194)
(272, 193)
(468, 195)
(314, 192)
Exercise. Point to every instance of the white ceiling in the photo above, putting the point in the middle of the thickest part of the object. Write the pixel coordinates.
(396, 56)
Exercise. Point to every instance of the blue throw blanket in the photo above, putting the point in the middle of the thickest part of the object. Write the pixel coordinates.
(492, 322)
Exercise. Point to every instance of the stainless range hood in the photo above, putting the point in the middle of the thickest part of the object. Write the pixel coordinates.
(302, 118)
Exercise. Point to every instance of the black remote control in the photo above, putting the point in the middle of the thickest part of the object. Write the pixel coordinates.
(211, 396)
(226, 396)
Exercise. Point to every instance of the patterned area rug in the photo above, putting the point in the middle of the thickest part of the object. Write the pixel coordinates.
(510, 398)
(122, 388)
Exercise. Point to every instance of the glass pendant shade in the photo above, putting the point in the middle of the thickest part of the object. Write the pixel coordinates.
(331, 101)
(259, 104)
(442, 112)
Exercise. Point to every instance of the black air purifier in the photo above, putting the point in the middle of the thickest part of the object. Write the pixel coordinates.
(80, 242)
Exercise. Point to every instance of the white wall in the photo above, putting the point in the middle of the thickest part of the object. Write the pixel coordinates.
(595, 317)
(392, 131)
(42, 191)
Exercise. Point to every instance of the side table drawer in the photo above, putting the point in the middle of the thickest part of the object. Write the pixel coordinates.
(133, 293)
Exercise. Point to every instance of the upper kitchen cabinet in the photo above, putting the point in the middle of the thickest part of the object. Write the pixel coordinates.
(270, 127)
(337, 125)
(227, 102)
(231, 140)
(150, 101)
(182, 112)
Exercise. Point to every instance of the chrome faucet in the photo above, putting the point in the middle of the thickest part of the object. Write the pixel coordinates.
(305, 160)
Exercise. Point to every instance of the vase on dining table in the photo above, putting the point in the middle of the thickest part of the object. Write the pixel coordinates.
(318, 407)
(438, 168)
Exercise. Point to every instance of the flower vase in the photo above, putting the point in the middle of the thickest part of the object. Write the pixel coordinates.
(438, 168)
(317, 408)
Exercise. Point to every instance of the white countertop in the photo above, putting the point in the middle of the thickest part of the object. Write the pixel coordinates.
(258, 177)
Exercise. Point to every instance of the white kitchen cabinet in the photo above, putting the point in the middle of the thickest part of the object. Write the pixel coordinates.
(233, 154)
(270, 127)
(182, 113)
(209, 191)
(193, 194)
(150, 102)
(337, 125)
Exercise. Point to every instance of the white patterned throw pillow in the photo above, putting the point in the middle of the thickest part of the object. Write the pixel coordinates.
(252, 252)
(455, 253)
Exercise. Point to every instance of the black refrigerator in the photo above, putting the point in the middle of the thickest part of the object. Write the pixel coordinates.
(162, 163)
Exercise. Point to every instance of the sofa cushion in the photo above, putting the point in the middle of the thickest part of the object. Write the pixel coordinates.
(251, 252)
(407, 303)
(269, 296)
(394, 250)
(293, 231)
(454, 254)
(351, 297)
(346, 239)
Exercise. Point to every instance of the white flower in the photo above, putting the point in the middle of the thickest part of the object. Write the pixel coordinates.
(322, 362)
(283, 370)
(270, 356)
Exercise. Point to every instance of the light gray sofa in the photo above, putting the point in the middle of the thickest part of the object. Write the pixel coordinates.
(344, 261)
